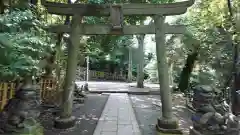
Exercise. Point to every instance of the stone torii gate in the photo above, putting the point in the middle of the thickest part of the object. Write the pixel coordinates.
(116, 13)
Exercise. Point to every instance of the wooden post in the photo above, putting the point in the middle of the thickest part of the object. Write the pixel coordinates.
(87, 69)
(121, 72)
(87, 76)
(66, 120)
(140, 74)
(167, 122)
(130, 64)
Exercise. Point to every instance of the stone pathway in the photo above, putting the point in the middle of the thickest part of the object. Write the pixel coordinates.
(120, 87)
(118, 117)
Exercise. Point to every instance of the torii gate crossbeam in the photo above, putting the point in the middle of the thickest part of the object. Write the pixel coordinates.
(91, 29)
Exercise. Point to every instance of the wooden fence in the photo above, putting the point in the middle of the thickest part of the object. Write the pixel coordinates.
(99, 75)
(48, 91)
(7, 90)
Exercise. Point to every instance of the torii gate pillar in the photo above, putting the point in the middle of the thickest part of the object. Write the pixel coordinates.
(66, 120)
(167, 123)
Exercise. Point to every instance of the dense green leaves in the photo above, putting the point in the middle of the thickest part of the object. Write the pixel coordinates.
(208, 22)
(22, 43)
(208, 28)
(209, 31)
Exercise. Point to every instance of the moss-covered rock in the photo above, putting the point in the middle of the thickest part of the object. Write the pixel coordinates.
(32, 127)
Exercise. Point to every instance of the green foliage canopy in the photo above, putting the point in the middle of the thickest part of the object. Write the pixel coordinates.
(22, 43)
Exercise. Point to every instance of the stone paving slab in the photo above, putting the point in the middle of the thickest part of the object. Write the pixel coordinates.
(118, 117)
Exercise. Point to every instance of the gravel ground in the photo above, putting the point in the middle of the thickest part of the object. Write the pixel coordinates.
(87, 115)
(148, 108)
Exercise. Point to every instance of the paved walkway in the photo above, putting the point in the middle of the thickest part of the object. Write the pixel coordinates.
(118, 117)
(119, 87)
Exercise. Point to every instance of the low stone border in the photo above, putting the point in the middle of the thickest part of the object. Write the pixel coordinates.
(129, 92)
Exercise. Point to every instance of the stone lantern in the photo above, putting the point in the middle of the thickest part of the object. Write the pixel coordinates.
(20, 115)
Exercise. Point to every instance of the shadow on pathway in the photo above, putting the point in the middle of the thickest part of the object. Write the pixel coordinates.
(147, 110)
(87, 115)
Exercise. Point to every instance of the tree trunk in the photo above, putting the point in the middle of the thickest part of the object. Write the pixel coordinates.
(81, 59)
(234, 96)
(71, 68)
(130, 65)
(58, 49)
(27, 82)
(2, 7)
(24, 4)
(58, 64)
(34, 2)
(140, 75)
(186, 71)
